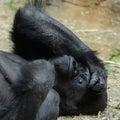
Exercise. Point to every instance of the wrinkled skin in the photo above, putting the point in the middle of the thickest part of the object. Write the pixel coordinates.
(36, 35)
(26, 89)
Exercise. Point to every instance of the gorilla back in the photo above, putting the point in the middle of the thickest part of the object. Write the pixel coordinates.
(36, 35)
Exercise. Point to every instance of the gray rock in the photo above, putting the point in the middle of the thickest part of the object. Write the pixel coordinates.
(116, 6)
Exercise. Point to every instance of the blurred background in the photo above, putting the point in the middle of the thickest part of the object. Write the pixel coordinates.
(96, 23)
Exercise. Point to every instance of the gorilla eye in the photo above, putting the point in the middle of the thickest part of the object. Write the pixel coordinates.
(74, 64)
(80, 81)
(75, 72)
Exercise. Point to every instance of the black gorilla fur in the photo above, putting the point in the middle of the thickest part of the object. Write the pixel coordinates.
(26, 89)
(36, 35)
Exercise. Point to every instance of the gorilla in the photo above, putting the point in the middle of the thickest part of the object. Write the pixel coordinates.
(26, 89)
(82, 83)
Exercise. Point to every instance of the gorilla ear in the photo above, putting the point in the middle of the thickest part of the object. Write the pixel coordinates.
(10, 65)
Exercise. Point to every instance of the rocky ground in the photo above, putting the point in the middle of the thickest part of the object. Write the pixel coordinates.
(97, 24)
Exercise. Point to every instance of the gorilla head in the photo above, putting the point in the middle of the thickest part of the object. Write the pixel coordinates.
(72, 79)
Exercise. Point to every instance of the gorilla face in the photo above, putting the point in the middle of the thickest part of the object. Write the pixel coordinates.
(72, 79)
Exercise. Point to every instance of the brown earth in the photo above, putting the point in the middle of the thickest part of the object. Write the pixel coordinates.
(97, 23)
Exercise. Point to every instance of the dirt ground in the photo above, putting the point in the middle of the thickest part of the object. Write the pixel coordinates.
(101, 33)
